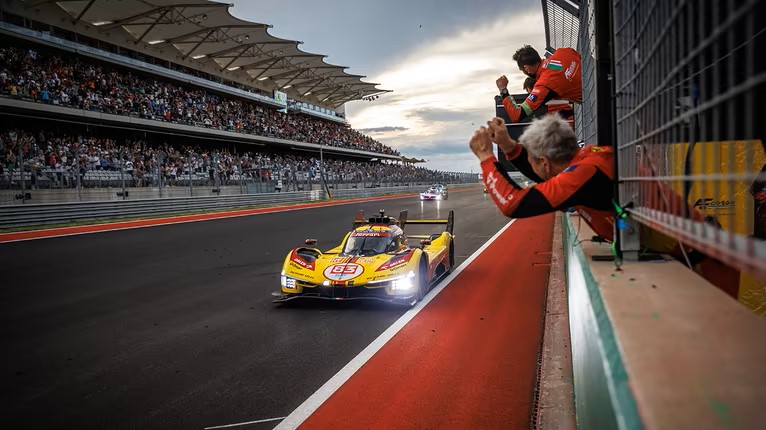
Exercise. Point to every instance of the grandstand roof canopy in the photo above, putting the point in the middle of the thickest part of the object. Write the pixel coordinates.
(562, 23)
(205, 31)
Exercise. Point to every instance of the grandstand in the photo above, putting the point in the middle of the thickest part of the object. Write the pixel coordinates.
(135, 94)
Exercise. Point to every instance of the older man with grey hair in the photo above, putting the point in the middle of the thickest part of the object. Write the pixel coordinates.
(567, 176)
(581, 178)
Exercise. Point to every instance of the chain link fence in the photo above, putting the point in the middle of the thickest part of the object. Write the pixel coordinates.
(684, 79)
(689, 76)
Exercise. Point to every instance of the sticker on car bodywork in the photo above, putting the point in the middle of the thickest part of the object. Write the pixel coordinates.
(370, 233)
(343, 272)
(300, 261)
(395, 262)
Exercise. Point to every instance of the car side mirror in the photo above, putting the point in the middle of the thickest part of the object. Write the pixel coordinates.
(425, 242)
(310, 241)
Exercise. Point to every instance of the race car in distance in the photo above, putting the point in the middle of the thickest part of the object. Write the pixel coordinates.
(435, 192)
(374, 261)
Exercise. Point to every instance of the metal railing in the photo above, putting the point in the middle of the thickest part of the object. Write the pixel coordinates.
(692, 161)
(585, 112)
(59, 213)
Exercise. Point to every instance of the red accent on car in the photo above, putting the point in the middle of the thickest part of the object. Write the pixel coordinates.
(297, 259)
(396, 260)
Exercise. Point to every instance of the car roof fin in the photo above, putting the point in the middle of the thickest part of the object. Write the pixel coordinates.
(358, 219)
(402, 219)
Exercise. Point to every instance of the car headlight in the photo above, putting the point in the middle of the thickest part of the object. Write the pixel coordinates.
(404, 283)
(401, 284)
(287, 282)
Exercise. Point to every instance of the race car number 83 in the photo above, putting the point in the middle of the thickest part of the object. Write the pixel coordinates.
(338, 272)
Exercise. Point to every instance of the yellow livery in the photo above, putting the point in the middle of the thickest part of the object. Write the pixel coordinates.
(374, 261)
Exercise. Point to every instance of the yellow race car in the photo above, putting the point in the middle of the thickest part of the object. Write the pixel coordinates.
(374, 261)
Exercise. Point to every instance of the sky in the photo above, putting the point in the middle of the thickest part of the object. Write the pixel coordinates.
(440, 58)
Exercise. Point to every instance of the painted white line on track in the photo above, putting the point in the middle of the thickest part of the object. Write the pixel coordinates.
(160, 224)
(300, 414)
(245, 423)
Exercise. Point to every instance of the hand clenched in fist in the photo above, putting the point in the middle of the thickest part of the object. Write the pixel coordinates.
(499, 134)
(481, 144)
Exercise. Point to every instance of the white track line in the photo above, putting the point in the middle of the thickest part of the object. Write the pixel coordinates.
(299, 415)
(245, 423)
(287, 209)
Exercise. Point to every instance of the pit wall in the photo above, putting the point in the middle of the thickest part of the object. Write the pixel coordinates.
(656, 346)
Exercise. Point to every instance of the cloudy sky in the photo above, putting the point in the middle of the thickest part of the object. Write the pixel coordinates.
(440, 58)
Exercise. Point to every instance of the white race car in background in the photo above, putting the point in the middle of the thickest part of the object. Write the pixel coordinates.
(435, 192)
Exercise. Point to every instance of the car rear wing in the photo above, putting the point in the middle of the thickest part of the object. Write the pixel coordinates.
(449, 222)
(359, 220)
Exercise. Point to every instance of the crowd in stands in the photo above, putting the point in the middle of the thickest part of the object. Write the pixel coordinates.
(72, 82)
(55, 158)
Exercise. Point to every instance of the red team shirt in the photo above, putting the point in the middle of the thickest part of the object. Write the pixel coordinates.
(558, 77)
(582, 185)
(587, 186)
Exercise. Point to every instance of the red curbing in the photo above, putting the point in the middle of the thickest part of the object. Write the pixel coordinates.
(469, 358)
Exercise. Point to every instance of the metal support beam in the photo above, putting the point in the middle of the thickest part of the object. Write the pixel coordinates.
(162, 15)
(188, 54)
(83, 11)
(233, 59)
(302, 82)
(567, 6)
(331, 94)
(186, 36)
(267, 68)
(258, 63)
(321, 80)
(252, 44)
(294, 78)
(38, 3)
(129, 20)
(287, 73)
(627, 240)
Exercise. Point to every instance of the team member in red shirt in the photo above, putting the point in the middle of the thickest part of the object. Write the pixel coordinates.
(557, 77)
(568, 176)
(561, 107)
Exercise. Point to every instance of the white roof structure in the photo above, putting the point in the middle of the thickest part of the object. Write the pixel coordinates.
(205, 31)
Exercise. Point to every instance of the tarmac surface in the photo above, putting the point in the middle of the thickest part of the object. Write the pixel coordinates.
(174, 327)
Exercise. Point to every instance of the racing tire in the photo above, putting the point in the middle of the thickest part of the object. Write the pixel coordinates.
(422, 278)
(451, 256)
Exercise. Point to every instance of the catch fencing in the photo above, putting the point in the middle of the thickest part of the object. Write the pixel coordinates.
(674, 87)
(688, 79)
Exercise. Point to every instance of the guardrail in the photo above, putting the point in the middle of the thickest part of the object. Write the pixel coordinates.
(57, 213)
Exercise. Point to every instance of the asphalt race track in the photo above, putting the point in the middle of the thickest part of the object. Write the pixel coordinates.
(174, 326)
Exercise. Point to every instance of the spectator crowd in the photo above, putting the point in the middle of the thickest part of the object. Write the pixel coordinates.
(57, 159)
(69, 81)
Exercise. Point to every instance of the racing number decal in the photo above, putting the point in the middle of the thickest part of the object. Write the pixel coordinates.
(343, 272)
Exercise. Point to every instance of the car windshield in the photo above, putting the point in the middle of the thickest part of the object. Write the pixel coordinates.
(366, 245)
